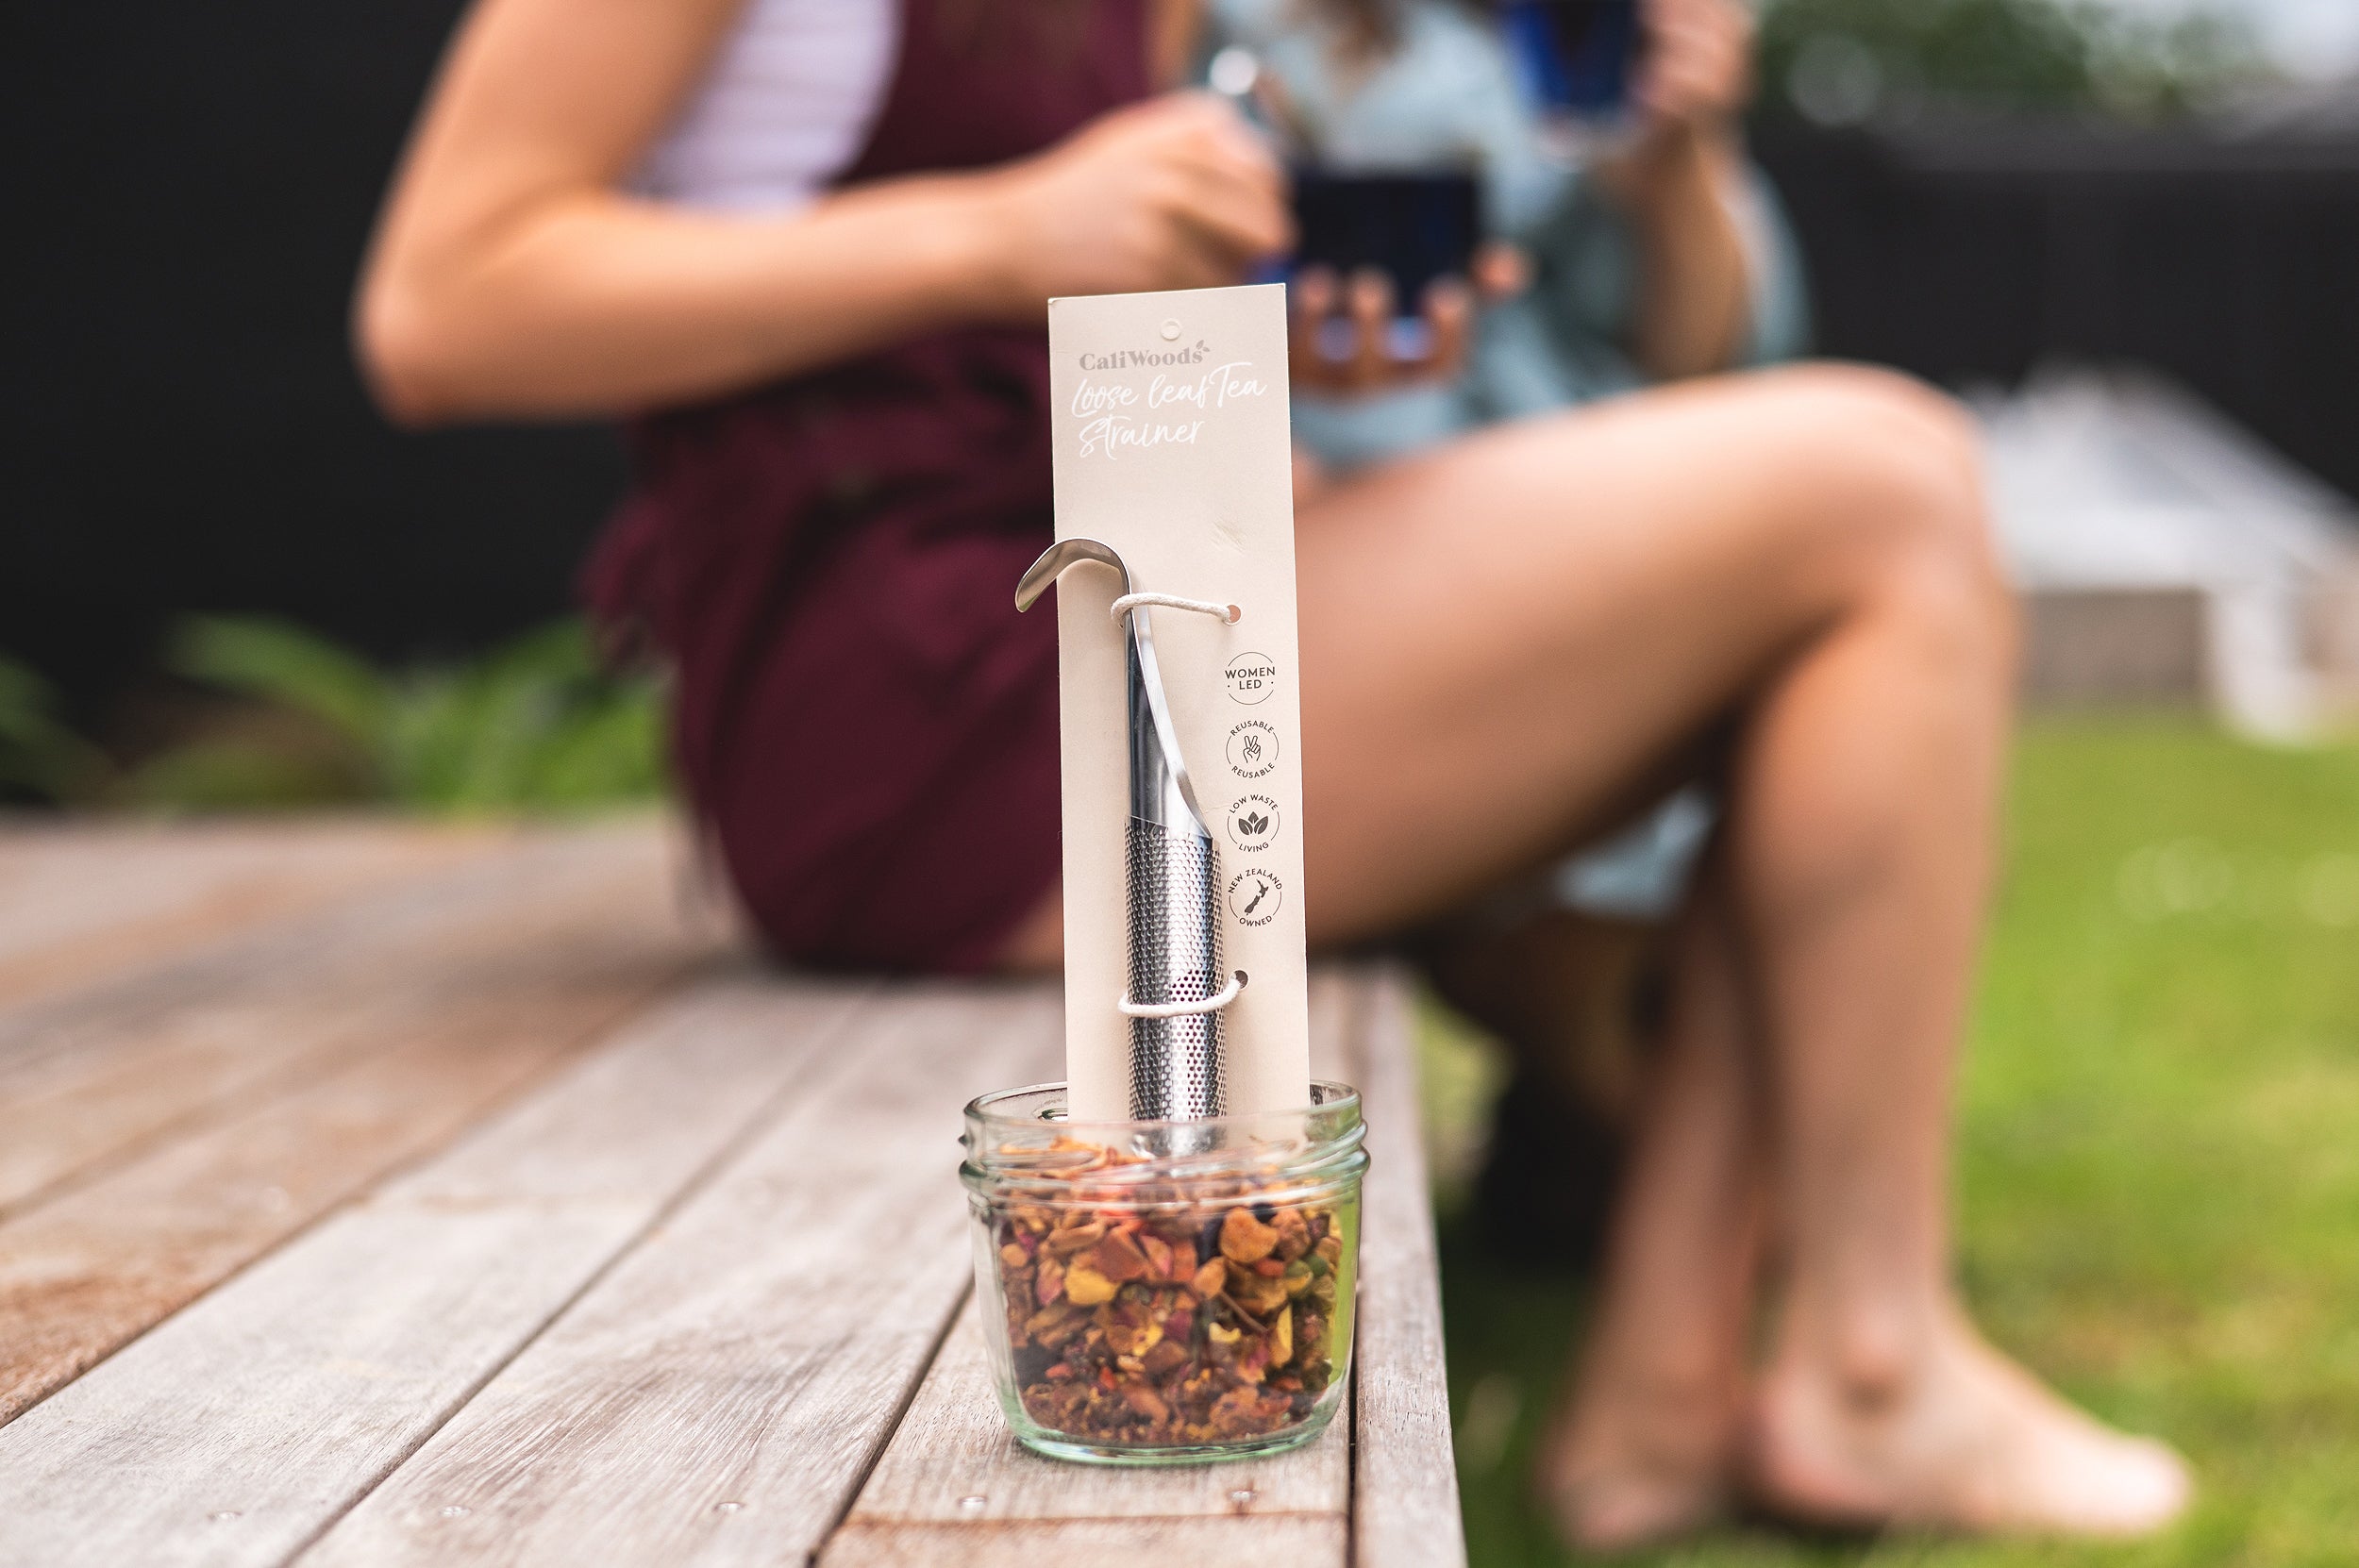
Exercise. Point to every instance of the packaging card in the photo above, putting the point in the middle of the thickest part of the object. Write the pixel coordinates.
(1172, 445)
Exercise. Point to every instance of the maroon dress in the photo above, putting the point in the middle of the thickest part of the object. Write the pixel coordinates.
(861, 717)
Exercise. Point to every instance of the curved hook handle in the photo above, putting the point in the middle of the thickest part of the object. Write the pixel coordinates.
(1053, 562)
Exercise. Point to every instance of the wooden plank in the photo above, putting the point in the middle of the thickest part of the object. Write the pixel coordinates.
(332, 943)
(84, 1272)
(235, 1432)
(69, 1117)
(271, 1014)
(1405, 1479)
(718, 1396)
(1244, 1542)
(953, 1483)
(77, 904)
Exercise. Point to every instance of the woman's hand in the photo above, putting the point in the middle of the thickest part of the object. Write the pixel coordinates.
(1696, 70)
(1341, 332)
(1177, 192)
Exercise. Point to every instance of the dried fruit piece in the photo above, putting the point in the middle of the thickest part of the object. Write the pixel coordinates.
(1129, 1333)
(1256, 1294)
(1071, 1239)
(1294, 1234)
(1050, 1283)
(1118, 1259)
(1211, 1279)
(1086, 1287)
(1164, 1360)
(1052, 1326)
(1282, 1337)
(1244, 1239)
(1247, 1412)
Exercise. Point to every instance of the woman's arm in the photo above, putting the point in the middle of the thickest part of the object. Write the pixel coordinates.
(1696, 288)
(509, 278)
(1680, 187)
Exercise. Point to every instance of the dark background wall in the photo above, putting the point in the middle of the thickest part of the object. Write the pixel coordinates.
(1972, 253)
(188, 188)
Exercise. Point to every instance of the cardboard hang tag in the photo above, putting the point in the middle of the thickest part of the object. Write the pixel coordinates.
(1172, 445)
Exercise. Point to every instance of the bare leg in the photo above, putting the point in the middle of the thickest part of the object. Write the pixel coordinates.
(1647, 1443)
(1861, 853)
(1497, 642)
(1881, 1402)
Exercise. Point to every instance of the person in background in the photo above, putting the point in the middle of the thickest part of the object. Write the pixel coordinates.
(805, 246)
(1648, 256)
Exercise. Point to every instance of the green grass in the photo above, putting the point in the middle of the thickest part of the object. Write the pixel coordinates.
(2158, 1159)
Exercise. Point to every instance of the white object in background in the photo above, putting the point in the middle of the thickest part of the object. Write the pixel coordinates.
(2122, 480)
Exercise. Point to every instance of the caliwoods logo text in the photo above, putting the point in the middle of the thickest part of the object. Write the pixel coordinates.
(1133, 359)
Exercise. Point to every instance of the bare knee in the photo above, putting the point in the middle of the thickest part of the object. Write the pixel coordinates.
(1891, 457)
(1893, 474)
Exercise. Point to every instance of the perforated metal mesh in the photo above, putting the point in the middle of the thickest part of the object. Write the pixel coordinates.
(1177, 1070)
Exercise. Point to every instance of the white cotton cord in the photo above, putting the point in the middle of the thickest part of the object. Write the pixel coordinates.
(1214, 1002)
(1130, 602)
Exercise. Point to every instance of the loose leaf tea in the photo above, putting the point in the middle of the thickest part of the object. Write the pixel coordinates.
(1153, 1317)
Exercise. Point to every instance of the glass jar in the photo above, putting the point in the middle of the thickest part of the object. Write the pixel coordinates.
(1157, 1292)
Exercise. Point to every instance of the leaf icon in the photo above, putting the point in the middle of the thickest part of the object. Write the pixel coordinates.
(1252, 825)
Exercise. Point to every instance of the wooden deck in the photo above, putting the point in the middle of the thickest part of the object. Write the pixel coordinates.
(373, 1194)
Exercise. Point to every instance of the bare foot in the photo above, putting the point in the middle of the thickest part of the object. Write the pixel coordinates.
(1967, 1439)
(1627, 1469)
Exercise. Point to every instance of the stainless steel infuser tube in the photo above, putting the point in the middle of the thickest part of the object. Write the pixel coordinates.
(1172, 880)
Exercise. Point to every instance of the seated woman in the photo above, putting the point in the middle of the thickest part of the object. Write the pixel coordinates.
(818, 234)
(1610, 262)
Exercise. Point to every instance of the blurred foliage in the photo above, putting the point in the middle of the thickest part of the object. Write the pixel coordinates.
(2156, 1169)
(41, 758)
(1846, 61)
(536, 725)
